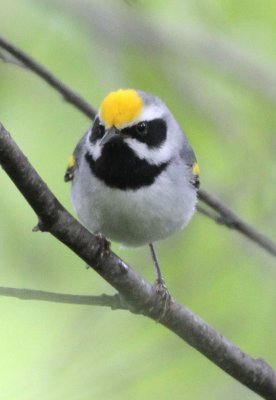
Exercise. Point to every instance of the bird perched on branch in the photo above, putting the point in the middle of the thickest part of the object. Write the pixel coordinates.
(134, 174)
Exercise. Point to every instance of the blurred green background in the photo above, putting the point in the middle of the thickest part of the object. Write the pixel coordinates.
(213, 62)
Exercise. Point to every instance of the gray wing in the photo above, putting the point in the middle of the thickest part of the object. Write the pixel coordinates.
(188, 156)
(74, 160)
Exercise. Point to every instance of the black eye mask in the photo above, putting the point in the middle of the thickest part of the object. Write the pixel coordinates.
(153, 133)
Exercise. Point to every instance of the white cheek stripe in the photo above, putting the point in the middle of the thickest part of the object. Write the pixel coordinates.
(153, 156)
(95, 149)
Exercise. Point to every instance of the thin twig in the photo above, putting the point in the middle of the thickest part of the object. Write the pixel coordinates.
(256, 374)
(211, 215)
(104, 300)
(228, 218)
(69, 95)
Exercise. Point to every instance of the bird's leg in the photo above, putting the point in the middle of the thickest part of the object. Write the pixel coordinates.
(159, 277)
(160, 285)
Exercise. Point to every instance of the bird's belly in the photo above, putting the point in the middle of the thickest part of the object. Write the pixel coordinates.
(135, 217)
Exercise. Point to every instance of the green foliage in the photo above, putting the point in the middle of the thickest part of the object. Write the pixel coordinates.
(213, 63)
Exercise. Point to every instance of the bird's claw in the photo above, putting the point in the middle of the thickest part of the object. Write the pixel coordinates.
(164, 295)
(104, 244)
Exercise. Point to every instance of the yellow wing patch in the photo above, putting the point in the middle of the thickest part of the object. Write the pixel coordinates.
(120, 108)
(195, 169)
(69, 173)
(71, 162)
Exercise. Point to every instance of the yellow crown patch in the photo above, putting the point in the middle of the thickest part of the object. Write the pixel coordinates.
(120, 108)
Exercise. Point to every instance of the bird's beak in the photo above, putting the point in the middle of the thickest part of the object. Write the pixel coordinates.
(111, 133)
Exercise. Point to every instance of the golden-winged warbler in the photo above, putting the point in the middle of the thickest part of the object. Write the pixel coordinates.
(134, 174)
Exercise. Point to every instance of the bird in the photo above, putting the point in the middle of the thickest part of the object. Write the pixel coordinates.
(134, 174)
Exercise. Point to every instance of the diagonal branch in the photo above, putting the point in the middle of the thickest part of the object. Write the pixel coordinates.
(138, 294)
(225, 216)
(69, 95)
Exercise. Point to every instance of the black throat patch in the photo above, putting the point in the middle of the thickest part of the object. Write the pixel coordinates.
(120, 168)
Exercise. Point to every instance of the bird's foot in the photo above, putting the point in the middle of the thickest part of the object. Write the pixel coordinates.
(104, 244)
(164, 295)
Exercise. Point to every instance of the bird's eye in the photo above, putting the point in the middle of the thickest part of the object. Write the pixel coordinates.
(142, 128)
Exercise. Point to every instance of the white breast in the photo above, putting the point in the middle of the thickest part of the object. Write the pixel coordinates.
(135, 217)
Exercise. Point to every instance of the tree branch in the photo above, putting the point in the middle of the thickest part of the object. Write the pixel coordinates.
(68, 94)
(138, 294)
(226, 216)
